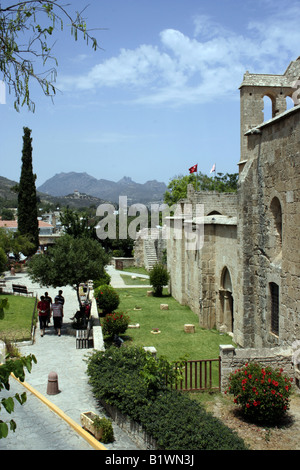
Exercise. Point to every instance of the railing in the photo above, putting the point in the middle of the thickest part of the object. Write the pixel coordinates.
(204, 374)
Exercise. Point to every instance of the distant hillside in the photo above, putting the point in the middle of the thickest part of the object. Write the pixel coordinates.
(5, 191)
(63, 184)
(10, 198)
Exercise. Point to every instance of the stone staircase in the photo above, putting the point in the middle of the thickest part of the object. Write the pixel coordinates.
(150, 256)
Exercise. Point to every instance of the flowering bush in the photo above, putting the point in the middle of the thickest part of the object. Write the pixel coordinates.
(262, 392)
(115, 324)
(107, 298)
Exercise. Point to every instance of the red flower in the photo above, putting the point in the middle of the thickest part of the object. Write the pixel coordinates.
(275, 383)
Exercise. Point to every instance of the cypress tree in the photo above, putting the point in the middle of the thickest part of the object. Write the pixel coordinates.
(27, 200)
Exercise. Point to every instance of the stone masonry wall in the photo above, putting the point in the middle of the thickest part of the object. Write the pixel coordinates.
(232, 359)
(265, 254)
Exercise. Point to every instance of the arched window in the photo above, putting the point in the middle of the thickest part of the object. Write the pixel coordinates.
(226, 280)
(214, 213)
(227, 302)
(277, 222)
(268, 108)
(289, 103)
(274, 295)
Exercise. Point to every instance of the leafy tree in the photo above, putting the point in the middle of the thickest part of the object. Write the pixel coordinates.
(17, 367)
(77, 225)
(26, 28)
(177, 188)
(7, 214)
(13, 242)
(3, 260)
(120, 246)
(70, 261)
(27, 201)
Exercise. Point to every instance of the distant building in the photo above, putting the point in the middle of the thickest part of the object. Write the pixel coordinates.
(46, 233)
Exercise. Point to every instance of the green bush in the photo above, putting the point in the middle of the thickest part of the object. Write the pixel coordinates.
(123, 378)
(106, 425)
(104, 280)
(107, 298)
(262, 392)
(114, 324)
(158, 277)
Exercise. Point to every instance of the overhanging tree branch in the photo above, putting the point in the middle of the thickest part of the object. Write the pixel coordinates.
(36, 20)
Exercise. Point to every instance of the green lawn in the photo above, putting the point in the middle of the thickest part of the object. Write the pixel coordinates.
(172, 342)
(139, 281)
(16, 324)
(135, 270)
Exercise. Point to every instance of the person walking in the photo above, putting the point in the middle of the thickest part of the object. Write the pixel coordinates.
(60, 298)
(42, 307)
(58, 313)
(49, 301)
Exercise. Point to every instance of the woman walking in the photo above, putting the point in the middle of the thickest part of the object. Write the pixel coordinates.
(57, 312)
(42, 311)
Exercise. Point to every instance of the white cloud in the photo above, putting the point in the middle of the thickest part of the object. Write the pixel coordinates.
(202, 68)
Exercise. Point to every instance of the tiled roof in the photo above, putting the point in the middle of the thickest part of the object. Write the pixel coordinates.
(14, 224)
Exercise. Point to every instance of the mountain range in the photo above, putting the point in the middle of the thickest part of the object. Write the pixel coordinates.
(63, 184)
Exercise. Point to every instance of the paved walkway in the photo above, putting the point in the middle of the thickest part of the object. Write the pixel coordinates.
(117, 281)
(38, 426)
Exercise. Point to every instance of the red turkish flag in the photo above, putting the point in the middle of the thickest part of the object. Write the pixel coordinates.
(193, 169)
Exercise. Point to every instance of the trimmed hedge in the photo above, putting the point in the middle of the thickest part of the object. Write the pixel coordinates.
(176, 422)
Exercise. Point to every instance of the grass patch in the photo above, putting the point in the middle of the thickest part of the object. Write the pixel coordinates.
(172, 342)
(135, 270)
(16, 324)
(139, 281)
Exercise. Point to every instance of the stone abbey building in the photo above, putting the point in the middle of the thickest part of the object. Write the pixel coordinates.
(245, 280)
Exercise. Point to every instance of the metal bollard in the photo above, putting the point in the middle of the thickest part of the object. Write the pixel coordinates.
(52, 387)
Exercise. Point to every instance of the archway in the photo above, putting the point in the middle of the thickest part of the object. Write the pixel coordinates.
(276, 226)
(268, 107)
(227, 301)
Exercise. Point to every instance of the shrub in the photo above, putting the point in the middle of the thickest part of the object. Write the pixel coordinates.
(115, 324)
(106, 425)
(124, 378)
(107, 298)
(105, 279)
(159, 277)
(262, 392)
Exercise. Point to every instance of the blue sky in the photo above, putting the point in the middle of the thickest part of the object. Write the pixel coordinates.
(160, 96)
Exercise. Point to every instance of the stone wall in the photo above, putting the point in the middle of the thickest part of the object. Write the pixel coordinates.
(222, 203)
(252, 92)
(232, 359)
(197, 275)
(269, 232)
(246, 277)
